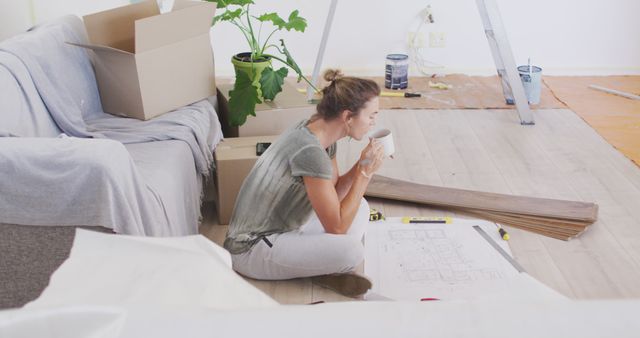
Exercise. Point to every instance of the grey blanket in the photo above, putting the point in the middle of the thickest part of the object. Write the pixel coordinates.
(65, 81)
(74, 181)
(89, 178)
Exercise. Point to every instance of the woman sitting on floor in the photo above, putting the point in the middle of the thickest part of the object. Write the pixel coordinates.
(295, 216)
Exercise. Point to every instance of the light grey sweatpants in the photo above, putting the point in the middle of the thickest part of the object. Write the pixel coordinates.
(308, 251)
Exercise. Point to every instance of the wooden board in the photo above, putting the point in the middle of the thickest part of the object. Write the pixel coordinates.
(389, 188)
(565, 222)
(550, 222)
(536, 226)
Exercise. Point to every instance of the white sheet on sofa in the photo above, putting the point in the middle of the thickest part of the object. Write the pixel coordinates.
(149, 188)
(60, 95)
(22, 112)
(166, 167)
(120, 270)
(74, 181)
(65, 82)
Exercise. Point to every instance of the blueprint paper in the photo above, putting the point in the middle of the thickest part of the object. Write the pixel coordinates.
(443, 261)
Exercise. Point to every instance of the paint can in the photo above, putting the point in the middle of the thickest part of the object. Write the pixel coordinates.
(531, 77)
(396, 73)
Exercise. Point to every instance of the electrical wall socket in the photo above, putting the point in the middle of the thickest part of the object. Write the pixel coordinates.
(416, 39)
(437, 39)
(426, 14)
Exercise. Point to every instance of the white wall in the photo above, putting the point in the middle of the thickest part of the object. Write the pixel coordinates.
(572, 37)
(50, 9)
(15, 17)
(19, 15)
(562, 36)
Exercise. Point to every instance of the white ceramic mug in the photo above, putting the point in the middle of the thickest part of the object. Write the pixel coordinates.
(385, 137)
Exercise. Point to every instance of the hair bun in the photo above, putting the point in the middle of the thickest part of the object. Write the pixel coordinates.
(332, 74)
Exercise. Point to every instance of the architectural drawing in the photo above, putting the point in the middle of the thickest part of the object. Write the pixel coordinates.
(409, 261)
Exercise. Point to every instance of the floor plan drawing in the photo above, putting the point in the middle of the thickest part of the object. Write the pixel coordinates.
(414, 261)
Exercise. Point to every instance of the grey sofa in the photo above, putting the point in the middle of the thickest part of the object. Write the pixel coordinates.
(164, 163)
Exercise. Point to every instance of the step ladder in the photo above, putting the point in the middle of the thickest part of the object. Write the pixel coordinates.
(323, 46)
(512, 87)
(500, 50)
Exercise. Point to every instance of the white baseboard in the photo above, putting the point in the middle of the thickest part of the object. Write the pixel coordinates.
(557, 71)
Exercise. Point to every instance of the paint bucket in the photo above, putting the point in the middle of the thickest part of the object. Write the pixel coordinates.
(531, 77)
(396, 71)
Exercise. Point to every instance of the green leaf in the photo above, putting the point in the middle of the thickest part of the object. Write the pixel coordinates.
(219, 3)
(290, 62)
(242, 100)
(296, 22)
(228, 15)
(225, 3)
(274, 18)
(271, 82)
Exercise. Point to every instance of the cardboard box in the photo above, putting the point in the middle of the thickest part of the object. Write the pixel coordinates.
(234, 158)
(148, 63)
(272, 118)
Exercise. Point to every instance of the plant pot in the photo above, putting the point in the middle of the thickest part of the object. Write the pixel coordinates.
(242, 63)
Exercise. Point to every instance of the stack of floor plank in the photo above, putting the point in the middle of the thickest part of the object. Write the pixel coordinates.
(553, 218)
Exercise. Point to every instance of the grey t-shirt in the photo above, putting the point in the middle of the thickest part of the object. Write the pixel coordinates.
(273, 198)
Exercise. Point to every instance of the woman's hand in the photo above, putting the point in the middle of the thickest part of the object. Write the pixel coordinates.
(371, 158)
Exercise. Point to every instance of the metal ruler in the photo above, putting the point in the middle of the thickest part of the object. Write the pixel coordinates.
(498, 248)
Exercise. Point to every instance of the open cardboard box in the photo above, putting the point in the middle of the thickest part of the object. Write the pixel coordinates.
(147, 63)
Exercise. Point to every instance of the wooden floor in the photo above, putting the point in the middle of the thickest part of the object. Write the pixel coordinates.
(614, 117)
(560, 157)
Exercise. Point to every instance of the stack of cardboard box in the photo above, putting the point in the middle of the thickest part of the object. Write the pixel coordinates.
(236, 155)
(235, 158)
(272, 117)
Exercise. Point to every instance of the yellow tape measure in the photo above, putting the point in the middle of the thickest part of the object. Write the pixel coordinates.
(436, 220)
(375, 215)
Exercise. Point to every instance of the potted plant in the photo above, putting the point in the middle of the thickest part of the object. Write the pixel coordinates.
(256, 78)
